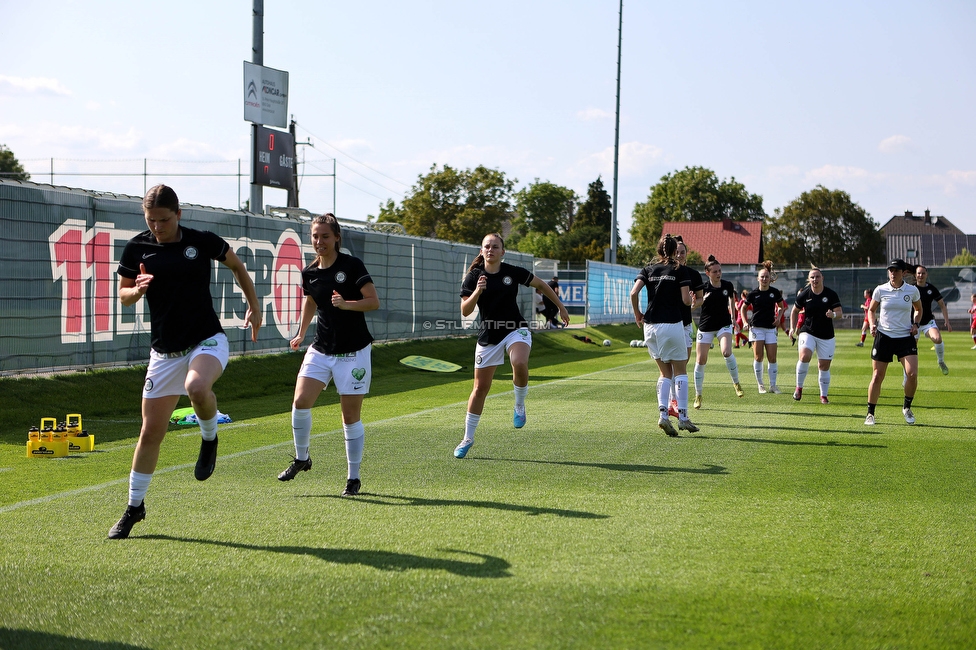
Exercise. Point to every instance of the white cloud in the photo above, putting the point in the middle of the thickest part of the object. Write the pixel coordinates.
(92, 106)
(964, 177)
(842, 175)
(894, 144)
(593, 114)
(31, 86)
(636, 159)
(67, 140)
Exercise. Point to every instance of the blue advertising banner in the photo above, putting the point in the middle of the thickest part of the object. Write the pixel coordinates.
(608, 293)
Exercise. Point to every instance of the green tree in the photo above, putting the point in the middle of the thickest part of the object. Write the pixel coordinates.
(589, 232)
(461, 206)
(538, 244)
(965, 258)
(691, 194)
(822, 227)
(544, 207)
(10, 167)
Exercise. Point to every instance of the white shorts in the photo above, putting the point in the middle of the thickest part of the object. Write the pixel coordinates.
(494, 355)
(352, 371)
(765, 334)
(922, 329)
(666, 341)
(166, 374)
(689, 335)
(823, 347)
(708, 337)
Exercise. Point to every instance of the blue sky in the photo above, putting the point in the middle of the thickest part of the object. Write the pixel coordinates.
(874, 98)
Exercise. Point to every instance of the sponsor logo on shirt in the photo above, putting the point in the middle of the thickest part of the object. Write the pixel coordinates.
(146, 256)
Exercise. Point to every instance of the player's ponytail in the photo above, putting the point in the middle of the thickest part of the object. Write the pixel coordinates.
(667, 247)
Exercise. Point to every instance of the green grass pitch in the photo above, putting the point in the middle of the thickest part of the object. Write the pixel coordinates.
(780, 524)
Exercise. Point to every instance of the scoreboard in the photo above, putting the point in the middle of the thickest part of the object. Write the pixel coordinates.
(273, 158)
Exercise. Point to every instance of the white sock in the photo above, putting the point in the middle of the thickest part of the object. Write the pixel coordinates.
(733, 367)
(138, 485)
(301, 429)
(520, 393)
(773, 373)
(208, 428)
(757, 368)
(470, 424)
(824, 378)
(802, 368)
(355, 435)
(940, 352)
(699, 378)
(681, 387)
(663, 395)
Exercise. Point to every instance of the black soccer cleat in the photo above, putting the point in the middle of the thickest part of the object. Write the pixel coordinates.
(352, 487)
(207, 460)
(132, 516)
(296, 466)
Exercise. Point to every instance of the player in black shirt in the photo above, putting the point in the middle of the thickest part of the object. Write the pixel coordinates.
(767, 306)
(338, 291)
(171, 266)
(492, 286)
(718, 305)
(696, 284)
(930, 294)
(819, 306)
(664, 333)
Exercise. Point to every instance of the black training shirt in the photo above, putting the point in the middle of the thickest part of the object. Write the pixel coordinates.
(338, 331)
(181, 308)
(498, 303)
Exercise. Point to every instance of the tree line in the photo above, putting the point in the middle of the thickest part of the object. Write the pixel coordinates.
(821, 226)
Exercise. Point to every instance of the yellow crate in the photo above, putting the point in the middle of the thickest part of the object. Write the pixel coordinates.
(79, 444)
(47, 448)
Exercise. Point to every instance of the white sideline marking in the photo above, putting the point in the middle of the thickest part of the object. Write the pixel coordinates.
(248, 452)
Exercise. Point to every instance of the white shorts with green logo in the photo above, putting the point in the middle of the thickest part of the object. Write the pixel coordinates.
(351, 371)
(494, 355)
(166, 374)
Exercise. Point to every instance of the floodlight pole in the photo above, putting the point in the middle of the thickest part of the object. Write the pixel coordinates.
(257, 58)
(616, 143)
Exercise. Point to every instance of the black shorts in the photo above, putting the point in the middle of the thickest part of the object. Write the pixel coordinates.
(886, 347)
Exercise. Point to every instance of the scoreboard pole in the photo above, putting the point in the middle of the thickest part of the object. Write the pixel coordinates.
(256, 203)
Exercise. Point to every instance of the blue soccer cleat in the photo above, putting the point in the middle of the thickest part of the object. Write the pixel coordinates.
(462, 450)
(518, 418)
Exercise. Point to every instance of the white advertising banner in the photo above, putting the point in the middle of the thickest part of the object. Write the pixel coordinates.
(265, 95)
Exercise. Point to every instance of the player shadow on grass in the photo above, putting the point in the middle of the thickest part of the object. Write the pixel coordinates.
(489, 567)
(394, 500)
(36, 639)
(825, 443)
(716, 470)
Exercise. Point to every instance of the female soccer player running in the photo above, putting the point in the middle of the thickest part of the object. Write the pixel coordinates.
(894, 328)
(664, 333)
(717, 308)
(338, 290)
(818, 306)
(492, 286)
(865, 326)
(696, 285)
(767, 305)
(928, 294)
(171, 266)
